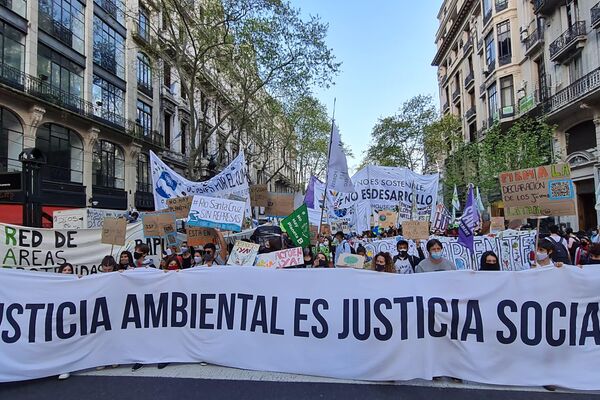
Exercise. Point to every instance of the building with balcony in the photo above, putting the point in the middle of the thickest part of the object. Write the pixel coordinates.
(77, 82)
(537, 57)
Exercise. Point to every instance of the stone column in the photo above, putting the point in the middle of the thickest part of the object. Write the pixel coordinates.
(131, 157)
(36, 116)
(89, 140)
(597, 125)
(559, 146)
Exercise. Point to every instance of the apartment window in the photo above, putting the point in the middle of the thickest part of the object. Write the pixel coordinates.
(492, 95)
(64, 19)
(12, 49)
(507, 96)
(490, 50)
(144, 117)
(144, 183)
(487, 10)
(575, 68)
(572, 12)
(167, 75)
(109, 48)
(64, 153)
(60, 72)
(144, 74)
(108, 165)
(109, 101)
(18, 6)
(11, 141)
(114, 8)
(504, 44)
(183, 138)
(167, 128)
(144, 24)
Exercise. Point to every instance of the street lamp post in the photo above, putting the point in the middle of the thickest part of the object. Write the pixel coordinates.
(32, 159)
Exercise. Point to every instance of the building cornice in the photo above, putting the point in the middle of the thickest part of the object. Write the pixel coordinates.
(449, 38)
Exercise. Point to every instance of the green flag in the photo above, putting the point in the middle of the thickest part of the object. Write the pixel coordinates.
(297, 227)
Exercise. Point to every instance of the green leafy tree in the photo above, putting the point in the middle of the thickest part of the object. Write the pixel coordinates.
(398, 140)
(440, 138)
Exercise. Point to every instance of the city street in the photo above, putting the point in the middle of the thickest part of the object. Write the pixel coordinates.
(212, 382)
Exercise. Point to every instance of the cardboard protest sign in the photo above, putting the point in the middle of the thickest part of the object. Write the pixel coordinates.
(281, 259)
(497, 224)
(113, 231)
(279, 204)
(159, 224)
(199, 236)
(326, 230)
(340, 225)
(211, 212)
(314, 232)
(297, 227)
(386, 218)
(180, 206)
(349, 260)
(259, 195)
(243, 253)
(535, 192)
(415, 230)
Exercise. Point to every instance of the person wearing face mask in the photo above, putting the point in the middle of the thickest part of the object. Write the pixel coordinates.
(210, 255)
(198, 259)
(405, 263)
(594, 255)
(186, 257)
(324, 246)
(341, 245)
(582, 254)
(435, 261)
(543, 254)
(140, 256)
(489, 262)
(383, 263)
(308, 258)
(362, 251)
(321, 261)
(595, 237)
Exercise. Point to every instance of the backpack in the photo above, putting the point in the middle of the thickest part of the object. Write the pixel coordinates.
(560, 253)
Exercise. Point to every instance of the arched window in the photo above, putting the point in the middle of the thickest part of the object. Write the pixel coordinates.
(144, 74)
(144, 183)
(109, 165)
(64, 153)
(11, 141)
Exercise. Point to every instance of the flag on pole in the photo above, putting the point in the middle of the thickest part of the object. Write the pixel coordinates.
(480, 206)
(455, 204)
(297, 226)
(441, 219)
(338, 178)
(468, 221)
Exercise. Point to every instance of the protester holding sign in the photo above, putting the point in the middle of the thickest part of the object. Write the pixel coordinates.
(405, 263)
(435, 261)
(341, 245)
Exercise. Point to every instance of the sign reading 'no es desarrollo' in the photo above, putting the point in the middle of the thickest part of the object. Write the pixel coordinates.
(218, 213)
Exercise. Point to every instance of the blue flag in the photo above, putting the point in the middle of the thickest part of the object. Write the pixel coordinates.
(469, 221)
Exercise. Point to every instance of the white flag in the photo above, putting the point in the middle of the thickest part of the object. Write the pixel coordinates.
(455, 202)
(338, 178)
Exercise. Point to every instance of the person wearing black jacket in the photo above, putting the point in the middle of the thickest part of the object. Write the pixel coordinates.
(405, 263)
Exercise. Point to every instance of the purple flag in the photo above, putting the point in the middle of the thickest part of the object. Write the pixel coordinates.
(468, 221)
(309, 197)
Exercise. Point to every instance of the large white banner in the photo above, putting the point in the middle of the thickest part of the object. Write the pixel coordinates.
(233, 180)
(512, 248)
(381, 188)
(41, 249)
(530, 328)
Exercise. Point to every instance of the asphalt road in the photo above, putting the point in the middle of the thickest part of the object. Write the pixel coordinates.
(185, 381)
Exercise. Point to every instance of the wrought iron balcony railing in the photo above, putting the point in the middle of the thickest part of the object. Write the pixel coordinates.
(536, 37)
(567, 38)
(576, 90)
(470, 78)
